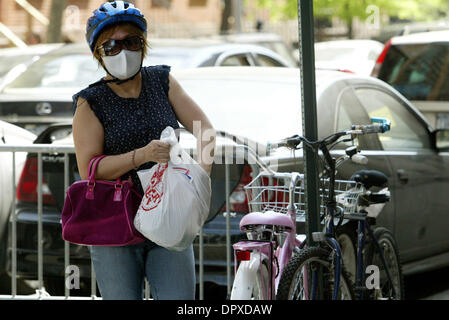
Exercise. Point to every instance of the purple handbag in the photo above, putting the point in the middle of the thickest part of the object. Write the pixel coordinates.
(101, 213)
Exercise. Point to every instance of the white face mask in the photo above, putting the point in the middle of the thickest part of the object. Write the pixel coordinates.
(123, 65)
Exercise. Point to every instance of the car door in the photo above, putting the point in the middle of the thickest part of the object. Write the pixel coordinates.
(418, 173)
(349, 111)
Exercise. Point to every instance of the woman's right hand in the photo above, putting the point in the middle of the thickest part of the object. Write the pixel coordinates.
(157, 151)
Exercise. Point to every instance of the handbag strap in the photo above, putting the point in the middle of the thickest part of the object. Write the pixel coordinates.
(93, 167)
(93, 164)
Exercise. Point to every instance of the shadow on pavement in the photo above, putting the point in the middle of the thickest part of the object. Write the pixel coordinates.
(423, 285)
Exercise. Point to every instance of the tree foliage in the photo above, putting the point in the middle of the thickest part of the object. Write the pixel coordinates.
(348, 9)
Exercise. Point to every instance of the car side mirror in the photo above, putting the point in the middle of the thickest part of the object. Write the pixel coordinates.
(441, 139)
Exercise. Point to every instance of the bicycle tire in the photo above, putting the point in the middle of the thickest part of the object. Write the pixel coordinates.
(251, 286)
(291, 279)
(386, 240)
(346, 236)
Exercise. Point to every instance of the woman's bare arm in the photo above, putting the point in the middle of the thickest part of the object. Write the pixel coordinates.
(195, 121)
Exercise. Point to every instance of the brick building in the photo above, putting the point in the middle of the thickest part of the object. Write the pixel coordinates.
(167, 18)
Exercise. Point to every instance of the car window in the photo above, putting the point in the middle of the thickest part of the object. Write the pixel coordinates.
(266, 61)
(406, 131)
(235, 61)
(349, 111)
(418, 71)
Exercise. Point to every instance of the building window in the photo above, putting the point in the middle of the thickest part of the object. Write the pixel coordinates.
(197, 3)
(161, 4)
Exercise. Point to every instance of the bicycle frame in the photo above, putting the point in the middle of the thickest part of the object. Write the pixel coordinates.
(276, 257)
(364, 226)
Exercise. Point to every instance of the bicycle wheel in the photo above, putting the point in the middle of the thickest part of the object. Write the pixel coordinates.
(388, 245)
(346, 236)
(297, 278)
(251, 285)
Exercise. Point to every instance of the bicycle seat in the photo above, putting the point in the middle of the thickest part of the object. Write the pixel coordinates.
(370, 178)
(269, 217)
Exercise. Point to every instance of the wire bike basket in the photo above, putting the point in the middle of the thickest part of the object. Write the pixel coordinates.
(266, 192)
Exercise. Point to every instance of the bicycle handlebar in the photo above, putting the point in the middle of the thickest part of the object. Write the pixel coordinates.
(380, 125)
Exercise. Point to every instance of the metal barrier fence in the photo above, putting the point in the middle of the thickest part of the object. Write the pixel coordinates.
(41, 293)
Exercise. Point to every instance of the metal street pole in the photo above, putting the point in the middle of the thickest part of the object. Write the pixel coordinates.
(309, 114)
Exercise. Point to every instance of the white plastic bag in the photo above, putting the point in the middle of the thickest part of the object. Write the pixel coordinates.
(176, 201)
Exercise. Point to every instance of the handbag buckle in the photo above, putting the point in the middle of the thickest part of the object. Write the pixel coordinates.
(90, 190)
(118, 191)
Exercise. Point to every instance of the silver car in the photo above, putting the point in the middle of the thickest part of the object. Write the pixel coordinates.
(264, 105)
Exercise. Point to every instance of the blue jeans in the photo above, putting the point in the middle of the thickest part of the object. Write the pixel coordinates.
(120, 272)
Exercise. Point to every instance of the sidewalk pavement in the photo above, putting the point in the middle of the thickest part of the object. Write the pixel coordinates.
(444, 295)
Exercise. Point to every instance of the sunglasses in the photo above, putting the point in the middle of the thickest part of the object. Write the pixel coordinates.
(113, 47)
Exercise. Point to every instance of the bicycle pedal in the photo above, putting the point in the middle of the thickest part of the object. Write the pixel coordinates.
(318, 236)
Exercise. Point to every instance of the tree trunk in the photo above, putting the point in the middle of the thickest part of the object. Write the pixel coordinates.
(225, 15)
(349, 20)
(350, 28)
(54, 31)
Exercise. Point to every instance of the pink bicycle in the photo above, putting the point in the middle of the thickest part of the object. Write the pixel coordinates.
(271, 236)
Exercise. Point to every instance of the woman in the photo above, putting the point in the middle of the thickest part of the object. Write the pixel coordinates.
(122, 116)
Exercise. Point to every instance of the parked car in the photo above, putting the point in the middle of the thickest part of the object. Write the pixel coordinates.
(257, 105)
(271, 41)
(9, 134)
(224, 55)
(358, 56)
(42, 95)
(402, 29)
(417, 66)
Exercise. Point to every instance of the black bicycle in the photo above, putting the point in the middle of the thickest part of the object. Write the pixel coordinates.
(317, 272)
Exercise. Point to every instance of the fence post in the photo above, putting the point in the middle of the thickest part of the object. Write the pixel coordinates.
(14, 231)
(66, 243)
(228, 230)
(40, 254)
(201, 266)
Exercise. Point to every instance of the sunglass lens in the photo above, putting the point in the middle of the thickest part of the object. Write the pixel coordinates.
(133, 43)
(111, 48)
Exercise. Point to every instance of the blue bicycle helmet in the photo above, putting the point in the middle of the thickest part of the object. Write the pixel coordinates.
(110, 13)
